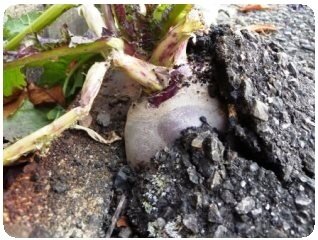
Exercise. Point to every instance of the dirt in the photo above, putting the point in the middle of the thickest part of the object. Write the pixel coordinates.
(254, 180)
(68, 192)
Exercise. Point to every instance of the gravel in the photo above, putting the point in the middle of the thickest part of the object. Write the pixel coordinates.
(263, 207)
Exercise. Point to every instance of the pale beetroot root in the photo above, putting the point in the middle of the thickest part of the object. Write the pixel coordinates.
(150, 129)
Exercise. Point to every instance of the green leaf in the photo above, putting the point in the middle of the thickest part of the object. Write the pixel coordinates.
(13, 79)
(160, 10)
(54, 73)
(55, 113)
(168, 15)
(25, 121)
(79, 79)
(13, 26)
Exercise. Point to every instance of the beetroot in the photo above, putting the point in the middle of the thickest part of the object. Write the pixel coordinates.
(150, 129)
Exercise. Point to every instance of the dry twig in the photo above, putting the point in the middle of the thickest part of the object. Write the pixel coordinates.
(115, 217)
(261, 28)
(254, 7)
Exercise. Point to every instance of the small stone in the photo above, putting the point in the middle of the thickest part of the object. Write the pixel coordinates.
(216, 180)
(308, 47)
(248, 87)
(214, 215)
(190, 221)
(197, 142)
(267, 207)
(193, 175)
(227, 197)
(294, 82)
(123, 179)
(282, 58)
(301, 143)
(243, 184)
(301, 220)
(286, 226)
(220, 231)
(125, 232)
(103, 119)
(254, 167)
(257, 211)
(245, 206)
(86, 121)
(260, 110)
(217, 149)
(161, 223)
(303, 201)
(301, 188)
(292, 69)
(278, 103)
(172, 230)
(59, 187)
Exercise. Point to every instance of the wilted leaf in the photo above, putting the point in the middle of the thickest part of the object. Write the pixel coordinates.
(122, 222)
(113, 137)
(25, 121)
(11, 107)
(253, 7)
(261, 28)
(38, 95)
(13, 26)
(13, 79)
(14, 96)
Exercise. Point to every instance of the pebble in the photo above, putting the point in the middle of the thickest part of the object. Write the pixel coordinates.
(292, 69)
(227, 197)
(260, 110)
(125, 232)
(294, 82)
(245, 206)
(248, 87)
(197, 142)
(59, 187)
(217, 149)
(193, 175)
(257, 211)
(216, 180)
(254, 167)
(103, 119)
(214, 215)
(190, 221)
(308, 47)
(303, 201)
(220, 231)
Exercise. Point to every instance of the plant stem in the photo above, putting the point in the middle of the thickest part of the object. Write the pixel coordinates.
(172, 48)
(146, 74)
(95, 47)
(41, 137)
(178, 12)
(46, 18)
